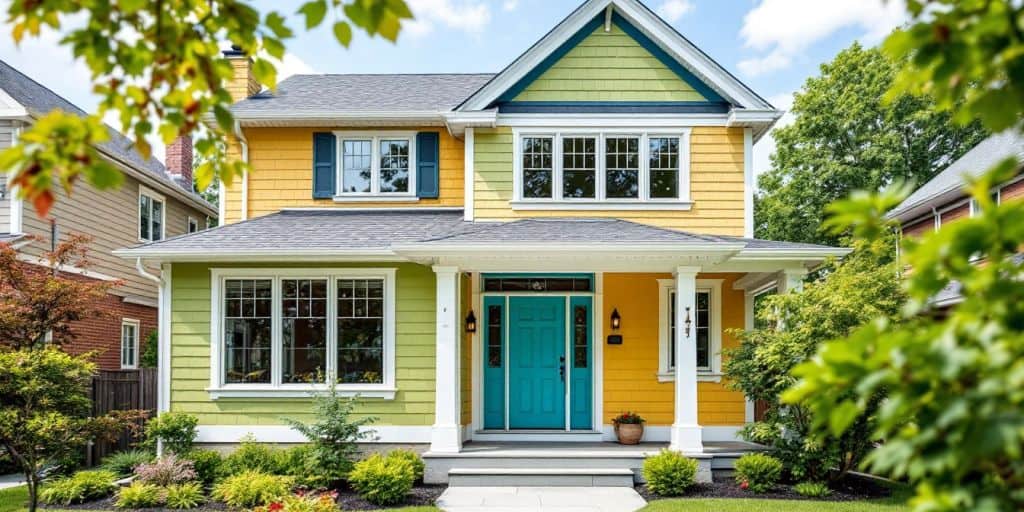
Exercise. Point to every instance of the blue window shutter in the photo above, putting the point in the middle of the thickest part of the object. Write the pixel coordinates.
(427, 155)
(324, 165)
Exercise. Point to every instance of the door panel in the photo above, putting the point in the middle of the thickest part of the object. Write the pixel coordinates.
(536, 352)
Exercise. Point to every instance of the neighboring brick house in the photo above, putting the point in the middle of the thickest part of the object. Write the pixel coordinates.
(943, 199)
(154, 203)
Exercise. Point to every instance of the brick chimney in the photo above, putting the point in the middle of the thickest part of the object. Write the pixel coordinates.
(178, 161)
(243, 84)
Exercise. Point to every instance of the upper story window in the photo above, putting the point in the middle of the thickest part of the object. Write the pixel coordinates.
(376, 164)
(567, 168)
(151, 216)
(193, 225)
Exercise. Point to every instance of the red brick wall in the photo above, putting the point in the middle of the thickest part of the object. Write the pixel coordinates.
(918, 229)
(1012, 191)
(960, 212)
(104, 334)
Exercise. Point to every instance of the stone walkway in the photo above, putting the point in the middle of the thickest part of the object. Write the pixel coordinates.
(540, 499)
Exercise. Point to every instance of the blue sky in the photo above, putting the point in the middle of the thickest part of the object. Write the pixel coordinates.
(772, 45)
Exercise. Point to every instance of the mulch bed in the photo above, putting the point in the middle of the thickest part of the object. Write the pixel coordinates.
(850, 489)
(420, 495)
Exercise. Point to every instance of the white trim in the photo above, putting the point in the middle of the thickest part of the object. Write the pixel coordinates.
(141, 301)
(374, 137)
(612, 121)
(152, 196)
(552, 436)
(16, 204)
(686, 430)
(12, 108)
(164, 339)
(134, 324)
(662, 434)
(469, 174)
(598, 328)
(222, 209)
(597, 205)
(188, 225)
(714, 288)
(378, 198)
(66, 268)
(446, 433)
(243, 144)
(219, 389)
(748, 182)
(230, 434)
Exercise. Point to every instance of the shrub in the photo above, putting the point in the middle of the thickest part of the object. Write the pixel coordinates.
(79, 487)
(166, 471)
(177, 431)
(123, 463)
(184, 496)
(758, 472)
(412, 458)
(252, 488)
(299, 462)
(324, 502)
(140, 495)
(206, 463)
(250, 456)
(669, 473)
(382, 481)
(812, 489)
(333, 433)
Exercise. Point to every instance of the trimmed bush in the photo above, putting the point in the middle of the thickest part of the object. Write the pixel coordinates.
(251, 489)
(166, 471)
(206, 463)
(184, 496)
(669, 473)
(250, 456)
(382, 481)
(140, 495)
(79, 487)
(758, 472)
(413, 458)
(299, 462)
(177, 430)
(124, 463)
(812, 489)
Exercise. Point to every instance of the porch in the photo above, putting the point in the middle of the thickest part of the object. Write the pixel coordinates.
(565, 463)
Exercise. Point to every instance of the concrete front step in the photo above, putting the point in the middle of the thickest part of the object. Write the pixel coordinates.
(533, 477)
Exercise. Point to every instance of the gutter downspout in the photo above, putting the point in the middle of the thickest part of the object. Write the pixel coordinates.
(244, 143)
(163, 387)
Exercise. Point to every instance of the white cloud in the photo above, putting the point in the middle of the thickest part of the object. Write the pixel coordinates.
(782, 29)
(766, 146)
(468, 16)
(510, 5)
(674, 10)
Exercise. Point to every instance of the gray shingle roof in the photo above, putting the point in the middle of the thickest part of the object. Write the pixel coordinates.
(39, 100)
(365, 93)
(310, 231)
(947, 184)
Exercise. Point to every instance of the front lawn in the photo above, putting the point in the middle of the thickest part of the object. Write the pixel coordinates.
(14, 499)
(751, 505)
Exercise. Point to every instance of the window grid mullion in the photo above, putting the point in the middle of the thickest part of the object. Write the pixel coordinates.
(601, 170)
(556, 167)
(375, 165)
(643, 167)
(276, 335)
(332, 329)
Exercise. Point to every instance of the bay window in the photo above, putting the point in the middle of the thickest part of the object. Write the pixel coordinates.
(590, 168)
(376, 164)
(288, 332)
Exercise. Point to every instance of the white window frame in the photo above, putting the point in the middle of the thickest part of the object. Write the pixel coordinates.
(374, 194)
(601, 202)
(125, 322)
(192, 221)
(153, 196)
(276, 389)
(666, 372)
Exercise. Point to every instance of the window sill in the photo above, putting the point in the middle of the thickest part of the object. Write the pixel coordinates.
(297, 392)
(601, 205)
(701, 377)
(376, 199)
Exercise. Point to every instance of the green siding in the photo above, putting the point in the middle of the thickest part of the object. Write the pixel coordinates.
(190, 355)
(609, 66)
(492, 163)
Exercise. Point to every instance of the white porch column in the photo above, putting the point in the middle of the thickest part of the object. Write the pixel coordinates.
(686, 433)
(446, 435)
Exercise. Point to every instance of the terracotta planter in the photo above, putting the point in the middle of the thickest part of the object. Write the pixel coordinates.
(629, 433)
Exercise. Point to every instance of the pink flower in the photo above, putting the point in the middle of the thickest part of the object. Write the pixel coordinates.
(744, 485)
(275, 506)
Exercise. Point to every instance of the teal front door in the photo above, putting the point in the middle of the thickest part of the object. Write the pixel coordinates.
(537, 366)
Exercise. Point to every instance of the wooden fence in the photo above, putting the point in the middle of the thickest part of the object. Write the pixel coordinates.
(121, 390)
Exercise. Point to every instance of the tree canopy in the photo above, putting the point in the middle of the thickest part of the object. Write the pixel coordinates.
(848, 137)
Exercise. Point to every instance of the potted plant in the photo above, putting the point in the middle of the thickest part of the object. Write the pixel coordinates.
(629, 428)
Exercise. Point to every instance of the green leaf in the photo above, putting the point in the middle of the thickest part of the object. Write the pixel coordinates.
(314, 11)
(276, 23)
(343, 33)
(842, 417)
(264, 72)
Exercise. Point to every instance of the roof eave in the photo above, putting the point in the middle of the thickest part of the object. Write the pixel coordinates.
(301, 255)
(762, 254)
(911, 211)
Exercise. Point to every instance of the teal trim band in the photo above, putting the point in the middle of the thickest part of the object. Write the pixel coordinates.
(613, 107)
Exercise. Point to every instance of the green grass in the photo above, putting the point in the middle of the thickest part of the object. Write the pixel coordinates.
(752, 505)
(15, 498)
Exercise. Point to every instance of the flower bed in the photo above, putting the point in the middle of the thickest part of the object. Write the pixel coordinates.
(850, 489)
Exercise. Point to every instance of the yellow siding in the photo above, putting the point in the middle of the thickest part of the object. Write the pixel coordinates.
(466, 355)
(716, 177)
(630, 370)
(281, 176)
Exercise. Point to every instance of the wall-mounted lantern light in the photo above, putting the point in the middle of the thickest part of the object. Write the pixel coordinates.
(687, 322)
(471, 322)
(616, 319)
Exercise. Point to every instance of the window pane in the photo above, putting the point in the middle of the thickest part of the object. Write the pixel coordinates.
(664, 165)
(579, 164)
(394, 165)
(144, 217)
(580, 338)
(247, 331)
(129, 336)
(494, 335)
(304, 330)
(537, 167)
(157, 222)
(672, 329)
(702, 323)
(356, 156)
(360, 331)
(622, 160)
